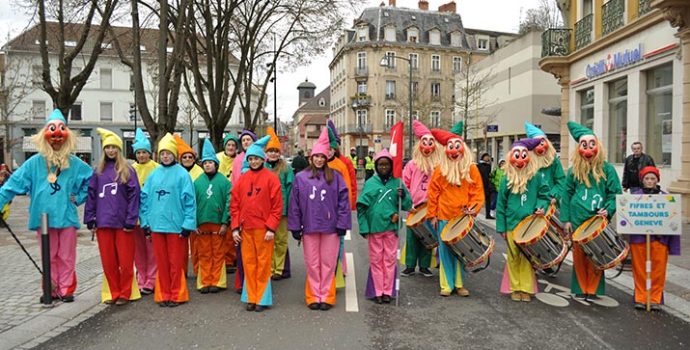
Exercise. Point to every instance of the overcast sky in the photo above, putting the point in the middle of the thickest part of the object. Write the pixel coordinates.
(498, 15)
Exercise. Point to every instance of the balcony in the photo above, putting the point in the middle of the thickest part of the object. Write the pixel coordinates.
(361, 72)
(360, 101)
(612, 16)
(583, 32)
(356, 129)
(644, 7)
(555, 42)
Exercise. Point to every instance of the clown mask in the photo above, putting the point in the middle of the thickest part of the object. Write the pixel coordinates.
(588, 147)
(542, 147)
(55, 133)
(454, 149)
(427, 145)
(519, 157)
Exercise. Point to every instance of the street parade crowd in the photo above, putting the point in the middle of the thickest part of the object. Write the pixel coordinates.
(231, 213)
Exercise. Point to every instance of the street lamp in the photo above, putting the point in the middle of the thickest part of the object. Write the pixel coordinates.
(355, 107)
(275, 86)
(386, 61)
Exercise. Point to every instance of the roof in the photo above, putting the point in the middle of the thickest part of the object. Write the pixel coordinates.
(306, 84)
(312, 105)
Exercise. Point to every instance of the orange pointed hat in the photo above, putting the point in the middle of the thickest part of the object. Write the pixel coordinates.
(274, 142)
(182, 147)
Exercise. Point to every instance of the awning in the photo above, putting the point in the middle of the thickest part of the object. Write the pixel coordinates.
(83, 144)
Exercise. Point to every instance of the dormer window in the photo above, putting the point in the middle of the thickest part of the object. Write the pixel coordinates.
(389, 33)
(455, 39)
(322, 102)
(363, 33)
(434, 37)
(482, 44)
(412, 35)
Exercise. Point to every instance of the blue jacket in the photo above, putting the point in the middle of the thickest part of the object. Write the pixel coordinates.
(168, 204)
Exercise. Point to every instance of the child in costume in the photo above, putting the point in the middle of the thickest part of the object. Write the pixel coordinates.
(168, 214)
(112, 211)
(247, 138)
(520, 194)
(377, 215)
(319, 215)
(57, 182)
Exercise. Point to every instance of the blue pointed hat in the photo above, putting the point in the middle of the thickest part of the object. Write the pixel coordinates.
(257, 148)
(533, 131)
(56, 115)
(208, 153)
(141, 141)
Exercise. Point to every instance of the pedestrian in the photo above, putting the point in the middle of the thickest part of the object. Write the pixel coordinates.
(319, 215)
(280, 267)
(111, 212)
(212, 194)
(484, 166)
(144, 257)
(590, 189)
(455, 189)
(300, 162)
(247, 138)
(661, 247)
(351, 175)
(187, 158)
(522, 192)
(496, 177)
(634, 163)
(226, 158)
(353, 156)
(256, 209)
(416, 175)
(378, 215)
(57, 182)
(168, 215)
(369, 166)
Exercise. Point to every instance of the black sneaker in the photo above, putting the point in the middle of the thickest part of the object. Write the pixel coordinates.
(68, 298)
(314, 306)
(251, 307)
(146, 291)
(386, 299)
(213, 289)
(425, 272)
(325, 306)
(580, 296)
(260, 308)
(640, 306)
(408, 272)
(173, 304)
(204, 290)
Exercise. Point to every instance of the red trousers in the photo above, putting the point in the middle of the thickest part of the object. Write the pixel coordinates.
(117, 256)
(170, 250)
(659, 258)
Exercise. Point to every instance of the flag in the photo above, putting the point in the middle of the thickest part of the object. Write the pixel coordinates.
(396, 148)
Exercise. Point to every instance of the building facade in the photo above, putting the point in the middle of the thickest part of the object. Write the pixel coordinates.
(623, 67)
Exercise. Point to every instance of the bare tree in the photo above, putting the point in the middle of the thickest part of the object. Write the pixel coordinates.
(13, 89)
(546, 15)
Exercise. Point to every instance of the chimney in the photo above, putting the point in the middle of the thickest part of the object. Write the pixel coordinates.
(423, 5)
(449, 7)
(391, 3)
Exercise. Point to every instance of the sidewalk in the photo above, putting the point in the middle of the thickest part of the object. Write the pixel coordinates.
(24, 322)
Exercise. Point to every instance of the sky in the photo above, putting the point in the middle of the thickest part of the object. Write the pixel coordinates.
(476, 14)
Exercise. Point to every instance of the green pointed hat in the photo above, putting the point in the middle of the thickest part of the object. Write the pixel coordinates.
(458, 128)
(332, 140)
(578, 130)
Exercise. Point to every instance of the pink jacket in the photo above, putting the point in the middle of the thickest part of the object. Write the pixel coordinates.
(416, 182)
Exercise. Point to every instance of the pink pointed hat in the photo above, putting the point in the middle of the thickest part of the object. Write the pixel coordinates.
(420, 129)
(322, 145)
(383, 154)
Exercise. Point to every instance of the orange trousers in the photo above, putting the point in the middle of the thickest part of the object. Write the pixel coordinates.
(257, 256)
(210, 252)
(659, 258)
(587, 279)
(230, 251)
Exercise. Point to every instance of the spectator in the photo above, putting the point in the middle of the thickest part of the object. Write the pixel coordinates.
(633, 164)
(496, 176)
(353, 157)
(369, 165)
(299, 163)
(485, 170)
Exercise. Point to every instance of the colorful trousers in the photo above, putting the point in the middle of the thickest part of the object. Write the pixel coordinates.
(257, 254)
(383, 250)
(210, 251)
(63, 259)
(586, 279)
(659, 259)
(320, 259)
(518, 274)
(144, 259)
(415, 252)
(171, 284)
(281, 255)
(117, 256)
(451, 270)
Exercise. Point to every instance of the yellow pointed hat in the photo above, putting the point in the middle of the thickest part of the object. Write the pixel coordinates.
(274, 142)
(109, 138)
(183, 147)
(168, 143)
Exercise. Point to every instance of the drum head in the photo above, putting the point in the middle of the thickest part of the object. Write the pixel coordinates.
(417, 215)
(588, 228)
(531, 227)
(456, 228)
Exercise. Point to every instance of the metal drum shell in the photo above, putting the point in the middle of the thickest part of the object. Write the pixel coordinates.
(422, 231)
(601, 231)
(456, 243)
(551, 245)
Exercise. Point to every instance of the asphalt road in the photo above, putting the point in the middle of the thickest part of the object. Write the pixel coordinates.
(485, 320)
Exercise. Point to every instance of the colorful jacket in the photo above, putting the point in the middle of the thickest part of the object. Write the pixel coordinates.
(511, 208)
(195, 172)
(317, 206)
(671, 241)
(111, 203)
(581, 203)
(168, 204)
(377, 203)
(237, 165)
(257, 201)
(553, 176)
(53, 199)
(446, 201)
(353, 178)
(225, 166)
(212, 199)
(144, 170)
(286, 177)
(416, 181)
(340, 167)
(496, 176)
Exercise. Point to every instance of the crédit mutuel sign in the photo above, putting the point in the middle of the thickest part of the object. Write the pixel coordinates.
(614, 61)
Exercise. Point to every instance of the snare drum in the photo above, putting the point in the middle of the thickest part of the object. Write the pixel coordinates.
(421, 228)
(540, 242)
(601, 243)
(553, 216)
(466, 241)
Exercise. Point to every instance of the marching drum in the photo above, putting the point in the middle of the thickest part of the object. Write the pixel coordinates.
(421, 228)
(601, 243)
(540, 242)
(553, 216)
(466, 241)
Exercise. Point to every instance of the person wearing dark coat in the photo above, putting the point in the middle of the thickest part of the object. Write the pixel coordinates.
(634, 163)
(484, 166)
(300, 162)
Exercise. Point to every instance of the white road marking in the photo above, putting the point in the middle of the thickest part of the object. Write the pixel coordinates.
(347, 235)
(351, 304)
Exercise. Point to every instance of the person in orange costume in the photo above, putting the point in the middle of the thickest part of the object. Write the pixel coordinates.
(352, 185)
(335, 163)
(455, 189)
(255, 209)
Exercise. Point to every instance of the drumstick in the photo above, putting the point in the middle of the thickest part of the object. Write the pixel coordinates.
(527, 229)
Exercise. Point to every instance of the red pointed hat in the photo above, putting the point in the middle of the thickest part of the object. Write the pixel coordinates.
(442, 136)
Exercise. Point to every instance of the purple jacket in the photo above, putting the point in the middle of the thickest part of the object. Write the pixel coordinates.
(110, 203)
(671, 241)
(319, 207)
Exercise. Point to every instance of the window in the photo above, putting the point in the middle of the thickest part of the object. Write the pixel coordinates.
(659, 114)
(415, 115)
(106, 79)
(75, 111)
(435, 90)
(361, 60)
(587, 108)
(412, 35)
(36, 74)
(415, 88)
(362, 34)
(391, 59)
(455, 39)
(322, 102)
(435, 63)
(414, 60)
(390, 89)
(70, 43)
(362, 87)
(434, 37)
(106, 111)
(389, 33)
(457, 64)
(390, 119)
(618, 120)
(435, 119)
(361, 117)
(482, 44)
(38, 109)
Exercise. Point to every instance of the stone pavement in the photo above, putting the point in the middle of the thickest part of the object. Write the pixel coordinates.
(24, 323)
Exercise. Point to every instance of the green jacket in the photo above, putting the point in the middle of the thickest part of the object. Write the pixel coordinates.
(496, 176)
(553, 176)
(581, 203)
(511, 208)
(287, 177)
(212, 199)
(377, 203)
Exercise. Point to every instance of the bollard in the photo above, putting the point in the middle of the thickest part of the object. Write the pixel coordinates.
(47, 298)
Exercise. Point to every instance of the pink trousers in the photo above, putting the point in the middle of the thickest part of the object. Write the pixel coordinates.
(383, 249)
(144, 260)
(320, 259)
(63, 259)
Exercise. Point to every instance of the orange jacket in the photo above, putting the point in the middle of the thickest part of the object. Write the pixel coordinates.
(353, 180)
(446, 201)
(256, 201)
(338, 165)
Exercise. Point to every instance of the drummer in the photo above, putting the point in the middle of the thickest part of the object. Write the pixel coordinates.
(455, 189)
(549, 167)
(590, 189)
(416, 177)
(520, 194)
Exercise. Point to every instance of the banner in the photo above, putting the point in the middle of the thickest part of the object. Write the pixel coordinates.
(396, 148)
(655, 214)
